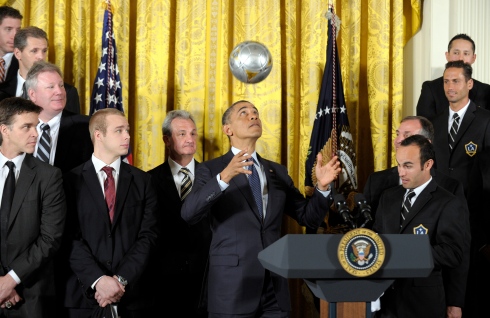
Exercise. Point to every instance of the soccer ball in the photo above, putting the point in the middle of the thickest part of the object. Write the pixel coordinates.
(250, 62)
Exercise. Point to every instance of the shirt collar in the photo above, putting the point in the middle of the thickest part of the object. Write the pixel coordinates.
(175, 167)
(99, 164)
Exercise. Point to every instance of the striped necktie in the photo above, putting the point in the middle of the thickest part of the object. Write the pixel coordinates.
(2, 70)
(454, 130)
(44, 147)
(186, 185)
(407, 204)
(254, 181)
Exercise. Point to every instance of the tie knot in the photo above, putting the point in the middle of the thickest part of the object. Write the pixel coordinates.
(410, 195)
(10, 165)
(455, 116)
(185, 170)
(108, 170)
(44, 127)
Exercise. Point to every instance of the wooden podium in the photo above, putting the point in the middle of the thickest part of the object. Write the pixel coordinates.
(314, 258)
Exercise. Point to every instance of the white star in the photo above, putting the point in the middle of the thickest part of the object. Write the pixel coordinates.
(117, 69)
(98, 98)
(102, 67)
(112, 99)
(327, 110)
(111, 83)
(104, 51)
(100, 82)
(118, 85)
(342, 109)
(319, 114)
(107, 34)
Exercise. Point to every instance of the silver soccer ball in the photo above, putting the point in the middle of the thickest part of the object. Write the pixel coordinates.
(250, 62)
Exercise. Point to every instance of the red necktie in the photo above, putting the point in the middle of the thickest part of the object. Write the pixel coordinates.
(110, 191)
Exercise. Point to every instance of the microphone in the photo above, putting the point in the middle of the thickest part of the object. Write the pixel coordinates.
(364, 207)
(342, 209)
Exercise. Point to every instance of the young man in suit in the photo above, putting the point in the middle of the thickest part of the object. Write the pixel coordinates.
(10, 23)
(245, 201)
(433, 100)
(455, 279)
(472, 134)
(32, 227)
(182, 249)
(30, 46)
(431, 211)
(112, 226)
(70, 143)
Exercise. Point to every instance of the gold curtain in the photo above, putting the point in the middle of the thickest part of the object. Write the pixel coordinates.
(173, 54)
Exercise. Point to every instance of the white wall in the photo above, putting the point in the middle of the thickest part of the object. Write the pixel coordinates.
(424, 57)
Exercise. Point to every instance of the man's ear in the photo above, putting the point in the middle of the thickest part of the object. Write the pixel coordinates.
(429, 163)
(227, 130)
(470, 83)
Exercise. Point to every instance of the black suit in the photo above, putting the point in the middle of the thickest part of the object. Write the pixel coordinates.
(433, 100)
(439, 212)
(100, 248)
(74, 145)
(35, 228)
(474, 129)
(182, 249)
(9, 87)
(455, 279)
(236, 277)
(478, 202)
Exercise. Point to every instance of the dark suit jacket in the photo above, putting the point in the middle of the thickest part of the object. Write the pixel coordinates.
(35, 228)
(74, 145)
(9, 87)
(236, 276)
(182, 251)
(101, 248)
(433, 100)
(473, 130)
(439, 212)
(454, 278)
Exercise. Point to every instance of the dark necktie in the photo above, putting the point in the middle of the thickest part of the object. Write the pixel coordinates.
(2, 70)
(407, 204)
(185, 187)
(454, 130)
(110, 191)
(24, 92)
(7, 197)
(254, 182)
(44, 146)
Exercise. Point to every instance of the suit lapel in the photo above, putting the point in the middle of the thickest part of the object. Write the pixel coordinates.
(123, 184)
(468, 118)
(24, 182)
(422, 199)
(393, 218)
(92, 183)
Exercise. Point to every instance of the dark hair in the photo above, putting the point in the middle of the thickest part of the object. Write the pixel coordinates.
(467, 69)
(461, 36)
(11, 106)
(9, 12)
(425, 146)
(226, 115)
(427, 129)
(20, 39)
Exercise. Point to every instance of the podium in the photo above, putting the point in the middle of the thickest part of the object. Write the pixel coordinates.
(313, 258)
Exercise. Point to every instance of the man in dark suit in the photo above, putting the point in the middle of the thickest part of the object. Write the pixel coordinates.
(245, 202)
(31, 229)
(112, 238)
(10, 23)
(70, 137)
(473, 132)
(182, 249)
(30, 46)
(433, 100)
(433, 211)
(455, 279)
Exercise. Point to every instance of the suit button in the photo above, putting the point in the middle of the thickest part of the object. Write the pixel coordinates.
(109, 263)
(110, 235)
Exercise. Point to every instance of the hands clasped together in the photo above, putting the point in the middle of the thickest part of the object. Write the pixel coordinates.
(108, 291)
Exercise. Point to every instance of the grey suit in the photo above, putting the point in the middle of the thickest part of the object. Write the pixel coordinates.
(35, 228)
(236, 277)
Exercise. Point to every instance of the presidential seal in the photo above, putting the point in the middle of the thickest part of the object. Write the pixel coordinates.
(361, 252)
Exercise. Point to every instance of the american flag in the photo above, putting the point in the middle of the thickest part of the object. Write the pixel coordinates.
(107, 90)
(331, 131)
